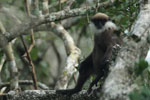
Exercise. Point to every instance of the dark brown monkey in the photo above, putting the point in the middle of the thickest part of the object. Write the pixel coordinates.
(98, 61)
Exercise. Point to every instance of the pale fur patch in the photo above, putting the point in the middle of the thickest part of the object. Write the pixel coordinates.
(108, 25)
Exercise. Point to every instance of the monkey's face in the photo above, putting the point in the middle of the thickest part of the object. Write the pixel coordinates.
(100, 23)
(99, 20)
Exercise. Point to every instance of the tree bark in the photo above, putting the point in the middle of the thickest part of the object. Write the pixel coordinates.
(119, 82)
(47, 95)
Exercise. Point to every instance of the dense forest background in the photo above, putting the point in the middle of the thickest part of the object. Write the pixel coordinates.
(49, 50)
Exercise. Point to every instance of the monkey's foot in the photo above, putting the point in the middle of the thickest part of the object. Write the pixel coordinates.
(89, 90)
(93, 92)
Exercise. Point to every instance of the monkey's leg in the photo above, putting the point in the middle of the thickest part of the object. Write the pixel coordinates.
(103, 78)
(101, 75)
(98, 77)
(85, 70)
(81, 80)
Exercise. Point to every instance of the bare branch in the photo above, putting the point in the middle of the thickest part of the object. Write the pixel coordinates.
(11, 61)
(72, 51)
(26, 82)
(69, 3)
(25, 27)
(31, 64)
(72, 59)
(31, 31)
(2, 62)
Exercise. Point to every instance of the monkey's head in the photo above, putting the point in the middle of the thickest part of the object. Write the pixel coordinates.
(101, 22)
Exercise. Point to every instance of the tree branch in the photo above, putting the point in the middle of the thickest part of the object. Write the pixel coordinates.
(47, 95)
(34, 22)
(8, 50)
(26, 82)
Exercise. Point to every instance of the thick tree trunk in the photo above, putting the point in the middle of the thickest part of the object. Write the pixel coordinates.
(119, 82)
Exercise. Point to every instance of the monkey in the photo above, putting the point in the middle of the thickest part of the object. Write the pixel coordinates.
(98, 61)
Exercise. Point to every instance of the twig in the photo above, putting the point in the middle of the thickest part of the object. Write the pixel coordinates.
(87, 15)
(25, 82)
(69, 3)
(53, 5)
(36, 6)
(3, 94)
(1, 66)
(31, 31)
(73, 54)
(59, 4)
(70, 47)
(2, 90)
(45, 9)
(2, 62)
(11, 61)
(22, 29)
(31, 64)
(51, 42)
(96, 8)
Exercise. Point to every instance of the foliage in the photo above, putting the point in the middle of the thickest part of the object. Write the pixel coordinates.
(142, 94)
(124, 13)
(140, 67)
(141, 72)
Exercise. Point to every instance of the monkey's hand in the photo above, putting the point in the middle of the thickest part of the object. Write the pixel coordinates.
(105, 62)
(89, 90)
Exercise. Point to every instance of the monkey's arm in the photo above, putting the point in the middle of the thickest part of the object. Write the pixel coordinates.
(85, 70)
(107, 55)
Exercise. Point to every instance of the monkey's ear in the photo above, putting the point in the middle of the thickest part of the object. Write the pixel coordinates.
(113, 20)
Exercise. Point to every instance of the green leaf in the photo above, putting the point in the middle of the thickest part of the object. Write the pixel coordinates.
(34, 53)
(142, 94)
(140, 67)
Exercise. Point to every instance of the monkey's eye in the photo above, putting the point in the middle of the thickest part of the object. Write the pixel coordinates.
(102, 21)
(99, 23)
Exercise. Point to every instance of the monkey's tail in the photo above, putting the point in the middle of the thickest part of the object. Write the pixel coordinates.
(68, 91)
